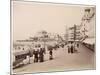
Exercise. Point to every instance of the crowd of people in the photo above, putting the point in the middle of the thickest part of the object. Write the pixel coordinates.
(40, 52)
(72, 47)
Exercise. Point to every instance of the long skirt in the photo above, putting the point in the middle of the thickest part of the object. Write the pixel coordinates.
(41, 58)
(36, 59)
(69, 50)
(72, 50)
(50, 57)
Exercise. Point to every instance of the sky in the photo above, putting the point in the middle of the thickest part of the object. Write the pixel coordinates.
(28, 18)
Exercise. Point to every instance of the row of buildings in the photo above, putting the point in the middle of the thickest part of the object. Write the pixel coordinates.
(43, 37)
(85, 32)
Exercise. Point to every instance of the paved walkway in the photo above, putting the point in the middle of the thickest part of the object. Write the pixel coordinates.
(83, 59)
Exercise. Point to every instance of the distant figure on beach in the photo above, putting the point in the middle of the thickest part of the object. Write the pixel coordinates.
(78, 45)
(36, 53)
(72, 47)
(50, 55)
(41, 55)
(69, 47)
(76, 48)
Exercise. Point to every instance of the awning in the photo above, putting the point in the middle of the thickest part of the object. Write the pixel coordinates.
(89, 40)
(20, 52)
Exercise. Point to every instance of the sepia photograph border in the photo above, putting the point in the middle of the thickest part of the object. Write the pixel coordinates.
(11, 34)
